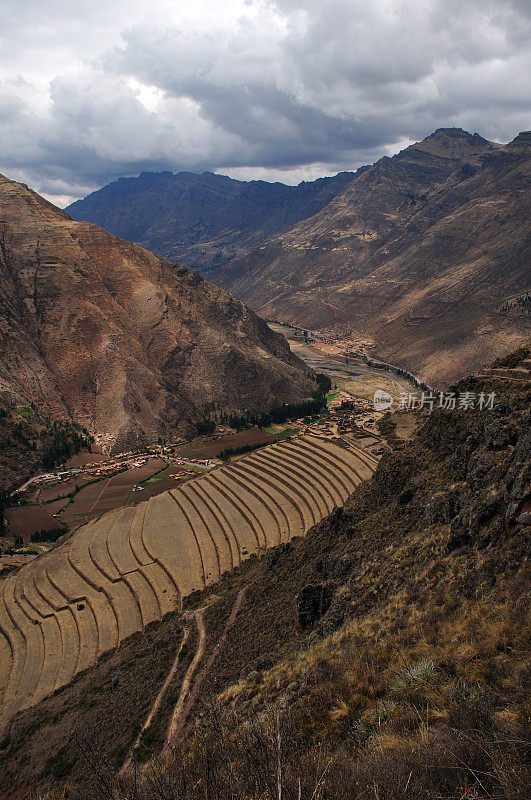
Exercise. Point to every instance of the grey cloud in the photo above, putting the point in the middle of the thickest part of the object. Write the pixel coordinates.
(291, 84)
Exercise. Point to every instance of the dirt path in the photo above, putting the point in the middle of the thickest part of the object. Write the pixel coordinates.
(187, 697)
(189, 689)
(175, 721)
(156, 704)
(98, 497)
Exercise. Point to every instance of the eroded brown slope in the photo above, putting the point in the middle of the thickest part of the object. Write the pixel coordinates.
(417, 253)
(128, 345)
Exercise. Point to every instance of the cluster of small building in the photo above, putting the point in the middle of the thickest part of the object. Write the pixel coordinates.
(344, 397)
(198, 462)
(362, 404)
(49, 477)
(98, 469)
(95, 469)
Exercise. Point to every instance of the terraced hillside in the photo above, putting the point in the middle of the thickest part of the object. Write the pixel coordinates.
(118, 573)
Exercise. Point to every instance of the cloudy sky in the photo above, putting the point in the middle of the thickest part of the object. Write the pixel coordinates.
(278, 89)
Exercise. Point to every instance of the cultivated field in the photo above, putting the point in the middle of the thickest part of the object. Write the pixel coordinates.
(27, 520)
(58, 490)
(169, 478)
(211, 447)
(107, 494)
(120, 572)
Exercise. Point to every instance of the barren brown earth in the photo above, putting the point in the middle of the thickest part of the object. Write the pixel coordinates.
(26, 520)
(210, 448)
(100, 330)
(425, 253)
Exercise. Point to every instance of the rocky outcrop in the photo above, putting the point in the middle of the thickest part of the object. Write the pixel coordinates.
(100, 330)
(311, 603)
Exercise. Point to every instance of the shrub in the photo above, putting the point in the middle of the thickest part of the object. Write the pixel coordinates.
(59, 765)
(419, 674)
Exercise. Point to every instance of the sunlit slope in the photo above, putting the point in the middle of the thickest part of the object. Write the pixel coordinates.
(133, 565)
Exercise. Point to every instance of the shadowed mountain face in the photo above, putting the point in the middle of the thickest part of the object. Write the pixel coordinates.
(420, 253)
(202, 220)
(125, 343)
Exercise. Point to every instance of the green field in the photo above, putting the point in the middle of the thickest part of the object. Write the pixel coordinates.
(153, 479)
(331, 396)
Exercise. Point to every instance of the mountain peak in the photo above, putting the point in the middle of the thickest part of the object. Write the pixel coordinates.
(449, 143)
(411, 253)
(520, 143)
(440, 133)
(443, 134)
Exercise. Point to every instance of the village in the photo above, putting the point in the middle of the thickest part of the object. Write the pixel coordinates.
(119, 463)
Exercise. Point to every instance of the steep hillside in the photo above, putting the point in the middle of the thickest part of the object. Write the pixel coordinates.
(383, 655)
(202, 220)
(135, 564)
(30, 441)
(425, 253)
(100, 330)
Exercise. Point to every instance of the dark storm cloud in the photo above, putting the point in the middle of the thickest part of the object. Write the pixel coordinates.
(277, 85)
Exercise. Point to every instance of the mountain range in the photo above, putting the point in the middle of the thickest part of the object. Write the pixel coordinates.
(338, 613)
(202, 220)
(425, 254)
(98, 330)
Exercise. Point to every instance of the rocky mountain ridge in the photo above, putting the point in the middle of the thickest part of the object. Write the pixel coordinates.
(418, 254)
(202, 220)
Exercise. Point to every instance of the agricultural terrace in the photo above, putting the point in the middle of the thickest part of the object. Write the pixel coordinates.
(132, 565)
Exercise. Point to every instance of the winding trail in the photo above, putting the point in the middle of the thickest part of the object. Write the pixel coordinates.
(188, 696)
(156, 704)
(177, 715)
(189, 687)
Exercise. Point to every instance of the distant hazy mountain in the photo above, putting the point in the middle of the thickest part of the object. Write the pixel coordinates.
(126, 344)
(202, 220)
(426, 252)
